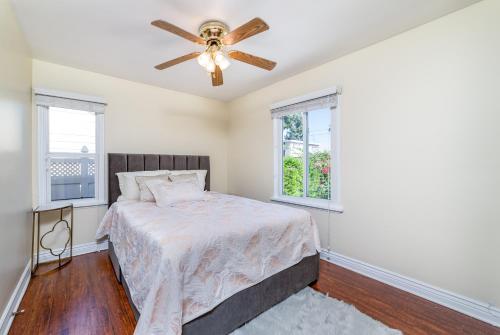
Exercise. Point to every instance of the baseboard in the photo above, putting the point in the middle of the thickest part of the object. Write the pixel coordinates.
(476, 309)
(22, 284)
(79, 249)
(15, 300)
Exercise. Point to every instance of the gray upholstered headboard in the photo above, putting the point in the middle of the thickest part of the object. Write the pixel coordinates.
(149, 162)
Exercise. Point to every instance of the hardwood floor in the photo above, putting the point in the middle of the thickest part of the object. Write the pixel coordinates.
(82, 298)
(85, 298)
(396, 308)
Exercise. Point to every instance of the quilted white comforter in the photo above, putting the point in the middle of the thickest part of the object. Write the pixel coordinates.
(182, 261)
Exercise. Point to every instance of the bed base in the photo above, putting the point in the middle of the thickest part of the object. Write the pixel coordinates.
(244, 305)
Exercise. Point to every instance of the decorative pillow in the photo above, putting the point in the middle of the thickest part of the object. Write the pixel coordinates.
(128, 186)
(144, 192)
(201, 174)
(169, 193)
(188, 177)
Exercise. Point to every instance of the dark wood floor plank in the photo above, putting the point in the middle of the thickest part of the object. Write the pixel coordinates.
(85, 298)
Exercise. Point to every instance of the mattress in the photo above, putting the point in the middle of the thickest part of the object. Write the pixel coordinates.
(182, 261)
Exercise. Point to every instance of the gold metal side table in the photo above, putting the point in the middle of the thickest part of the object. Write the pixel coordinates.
(62, 262)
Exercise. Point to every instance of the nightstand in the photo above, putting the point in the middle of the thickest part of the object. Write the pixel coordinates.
(68, 226)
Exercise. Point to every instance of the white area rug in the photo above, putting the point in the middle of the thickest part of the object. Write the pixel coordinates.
(312, 313)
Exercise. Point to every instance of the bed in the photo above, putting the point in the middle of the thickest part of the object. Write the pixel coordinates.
(237, 306)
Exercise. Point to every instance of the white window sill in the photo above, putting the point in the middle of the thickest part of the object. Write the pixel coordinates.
(309, 202)
(78, 203)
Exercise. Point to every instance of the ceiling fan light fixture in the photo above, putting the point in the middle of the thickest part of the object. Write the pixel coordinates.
(204, 58)
(221, 60)
(224, 63)
(210, 67)
(219, 57)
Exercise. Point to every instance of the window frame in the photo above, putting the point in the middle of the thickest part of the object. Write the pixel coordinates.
(334, 204)
(43, 170)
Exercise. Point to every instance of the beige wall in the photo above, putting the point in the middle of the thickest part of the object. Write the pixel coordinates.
(420, 159)
(15, 152)
(142, 119)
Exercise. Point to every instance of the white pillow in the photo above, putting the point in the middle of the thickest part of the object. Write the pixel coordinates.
(202, 174)
(188, 177)
(128, 186)
(144, 192)
(169, 193)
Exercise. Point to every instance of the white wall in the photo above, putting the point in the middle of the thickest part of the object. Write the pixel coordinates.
(142, 119)
(420, 156)
(15, 152)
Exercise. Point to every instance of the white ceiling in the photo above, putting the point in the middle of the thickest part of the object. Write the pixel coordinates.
(114, 37)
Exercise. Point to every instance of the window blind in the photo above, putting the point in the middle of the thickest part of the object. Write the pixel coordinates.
(327, 101)
(76, 104)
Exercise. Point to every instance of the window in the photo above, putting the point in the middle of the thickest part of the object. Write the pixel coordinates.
(70, 149)
(306, 145)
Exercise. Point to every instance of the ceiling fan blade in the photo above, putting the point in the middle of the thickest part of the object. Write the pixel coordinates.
(217, 77)
(177, 60)
(247, 30)
(178, 31)
(252, 60)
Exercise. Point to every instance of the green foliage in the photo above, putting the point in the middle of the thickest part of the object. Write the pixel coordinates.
(292, 124)
(319, 175)
(293, 170)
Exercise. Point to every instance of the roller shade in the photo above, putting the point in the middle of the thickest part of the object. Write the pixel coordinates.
(68, 103)
(327, 101)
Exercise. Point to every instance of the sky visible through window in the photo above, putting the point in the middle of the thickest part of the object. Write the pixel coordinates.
(319, 128)
(71, 131)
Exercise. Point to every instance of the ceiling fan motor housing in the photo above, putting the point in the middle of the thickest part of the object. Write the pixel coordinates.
(213, 31)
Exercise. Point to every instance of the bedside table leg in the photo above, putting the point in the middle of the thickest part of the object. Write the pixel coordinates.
(38, 241)
(32, 243)
(71, 236)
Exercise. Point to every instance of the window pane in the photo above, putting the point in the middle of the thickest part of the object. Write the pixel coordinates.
(319, 144)
(71, 131)
(293, 153)
(72, 178)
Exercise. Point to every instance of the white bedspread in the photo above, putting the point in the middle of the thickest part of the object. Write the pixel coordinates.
(182, 261)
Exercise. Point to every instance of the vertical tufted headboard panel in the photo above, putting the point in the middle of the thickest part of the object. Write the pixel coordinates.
(150, 162)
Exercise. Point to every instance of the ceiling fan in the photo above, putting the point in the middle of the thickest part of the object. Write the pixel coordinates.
(215, 36)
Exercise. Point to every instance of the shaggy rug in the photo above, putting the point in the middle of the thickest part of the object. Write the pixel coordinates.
(312, 313)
